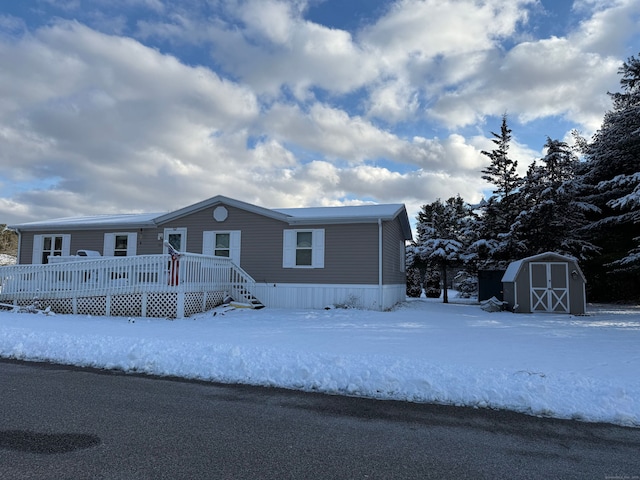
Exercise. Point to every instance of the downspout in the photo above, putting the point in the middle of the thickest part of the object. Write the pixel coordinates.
(19, 244)
(380, 263)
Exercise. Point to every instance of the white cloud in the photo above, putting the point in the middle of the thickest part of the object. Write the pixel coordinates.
(393, 100)
(607, 30)
(285, 112)
(427, 28)
(549, 77)
(271, 19)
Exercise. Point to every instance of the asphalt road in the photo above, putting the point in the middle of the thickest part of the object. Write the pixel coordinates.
(61, 422)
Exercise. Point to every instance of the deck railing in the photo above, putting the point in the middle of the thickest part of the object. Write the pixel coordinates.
(92, 276)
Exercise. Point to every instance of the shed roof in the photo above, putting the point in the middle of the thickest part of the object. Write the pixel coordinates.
(514, 267)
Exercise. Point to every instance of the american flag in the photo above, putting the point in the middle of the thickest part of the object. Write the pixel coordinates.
(175, 255)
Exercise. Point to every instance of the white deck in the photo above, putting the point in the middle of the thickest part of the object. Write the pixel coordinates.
(144, 285)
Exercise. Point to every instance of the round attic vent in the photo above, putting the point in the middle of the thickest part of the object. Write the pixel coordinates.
(220, 214)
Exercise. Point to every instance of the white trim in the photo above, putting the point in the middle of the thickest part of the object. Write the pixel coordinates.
(289, 245)
(109, 246)
(549, 297)
(220, 213)
(183, 241)
(36, 252)
(38, 246)
(235, 242)
(318, 296)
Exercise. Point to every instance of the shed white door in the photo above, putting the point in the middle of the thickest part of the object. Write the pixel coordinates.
(549, 286)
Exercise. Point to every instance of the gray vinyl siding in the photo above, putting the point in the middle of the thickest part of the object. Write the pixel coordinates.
(351, 250)
(26, 248)
(391, 239)
(92, 240)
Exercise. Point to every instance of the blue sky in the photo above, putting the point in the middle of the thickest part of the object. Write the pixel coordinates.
(113, 106)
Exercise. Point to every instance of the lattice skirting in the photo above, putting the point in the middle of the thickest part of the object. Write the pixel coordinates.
(159, 305)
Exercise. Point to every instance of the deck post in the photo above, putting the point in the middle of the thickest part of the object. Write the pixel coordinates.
(180, 305)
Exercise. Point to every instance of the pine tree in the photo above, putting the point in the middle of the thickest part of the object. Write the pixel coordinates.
(552, 217)
(502, 171)
(444, 233)
(611, 174)
(495, 246)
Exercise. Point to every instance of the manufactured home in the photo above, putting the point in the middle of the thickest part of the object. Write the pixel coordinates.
(289, 258)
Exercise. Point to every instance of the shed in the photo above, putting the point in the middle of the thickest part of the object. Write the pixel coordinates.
(547, 282)
(490, 284)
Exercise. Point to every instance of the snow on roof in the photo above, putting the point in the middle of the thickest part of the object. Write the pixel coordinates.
(351, 211)
(308, 215)
(92, 221)
(512, 271)
(514, 267)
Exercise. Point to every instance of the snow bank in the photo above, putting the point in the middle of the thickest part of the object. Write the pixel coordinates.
(563, 366)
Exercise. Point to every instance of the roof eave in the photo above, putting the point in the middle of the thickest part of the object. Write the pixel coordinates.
(220, 199)
(79, 226)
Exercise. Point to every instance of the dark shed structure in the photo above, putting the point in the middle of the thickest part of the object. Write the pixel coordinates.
(490, 284)
(547, 282)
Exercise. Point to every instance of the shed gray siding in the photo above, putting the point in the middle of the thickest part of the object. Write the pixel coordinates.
(518, 288)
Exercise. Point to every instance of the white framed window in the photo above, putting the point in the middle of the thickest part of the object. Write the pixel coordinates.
(303, 248)
(45, 246)
(222, 244)
(177, 238)
(120, 244)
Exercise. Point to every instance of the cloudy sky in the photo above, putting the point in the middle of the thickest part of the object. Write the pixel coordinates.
(113, 106)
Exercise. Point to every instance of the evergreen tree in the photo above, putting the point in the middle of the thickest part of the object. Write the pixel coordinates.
(495, 246)
(444, 232)
(552, 218)
(611, 174)
(502, 171)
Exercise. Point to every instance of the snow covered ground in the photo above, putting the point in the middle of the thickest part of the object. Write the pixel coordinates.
(584, 367)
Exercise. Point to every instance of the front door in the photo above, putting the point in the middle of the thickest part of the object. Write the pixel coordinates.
(549, 286)
(177, 237)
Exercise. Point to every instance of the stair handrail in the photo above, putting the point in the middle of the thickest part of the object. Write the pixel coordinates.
(242, 284)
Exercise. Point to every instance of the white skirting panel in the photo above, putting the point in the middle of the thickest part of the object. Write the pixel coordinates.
(315, 296)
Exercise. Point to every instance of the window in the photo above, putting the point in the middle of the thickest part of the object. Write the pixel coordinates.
(222, 244)
(51, 246)
(177, 238)
(120, 249)
(303, 249)
(45, 246)
(120, 244)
